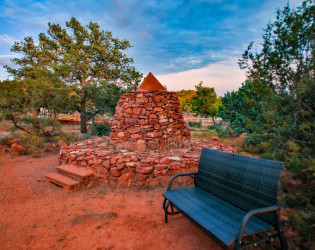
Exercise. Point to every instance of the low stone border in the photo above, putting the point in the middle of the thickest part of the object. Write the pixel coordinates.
(120, 166)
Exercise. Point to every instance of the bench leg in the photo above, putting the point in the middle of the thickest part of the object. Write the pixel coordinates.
(166, 213)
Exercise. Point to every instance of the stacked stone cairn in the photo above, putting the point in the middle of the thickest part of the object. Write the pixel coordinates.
(149, 117)
(146, 143)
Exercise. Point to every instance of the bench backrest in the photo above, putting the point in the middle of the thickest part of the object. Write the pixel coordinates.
(246, 182)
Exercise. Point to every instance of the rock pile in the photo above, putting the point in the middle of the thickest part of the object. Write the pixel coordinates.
(150, 117)
(15, 147)
(140, 167)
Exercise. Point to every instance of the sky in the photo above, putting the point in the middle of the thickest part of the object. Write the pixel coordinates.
(182, 42)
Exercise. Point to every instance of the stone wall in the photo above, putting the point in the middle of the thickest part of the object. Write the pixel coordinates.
(151, 119)
(124, 167)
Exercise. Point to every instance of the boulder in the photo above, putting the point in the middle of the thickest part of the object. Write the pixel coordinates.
(18, 149)
(12, 141)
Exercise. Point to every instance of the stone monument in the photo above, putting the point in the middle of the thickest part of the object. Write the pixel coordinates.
(150, 117)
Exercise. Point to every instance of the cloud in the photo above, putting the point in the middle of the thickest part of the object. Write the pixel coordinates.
(168, 36)
(5, 39)
(5, 60)
(223, 76)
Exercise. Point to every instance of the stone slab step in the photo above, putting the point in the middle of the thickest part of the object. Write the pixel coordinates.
(68, 183)
(78, 173)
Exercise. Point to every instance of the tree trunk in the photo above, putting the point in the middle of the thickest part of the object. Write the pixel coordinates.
(83, 113)
(83, 123)
(213, 120)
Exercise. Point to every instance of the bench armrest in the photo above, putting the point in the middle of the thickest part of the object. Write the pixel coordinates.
(183, 174)
(251, 214)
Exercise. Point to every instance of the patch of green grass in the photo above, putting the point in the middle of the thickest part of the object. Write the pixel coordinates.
(205, 135)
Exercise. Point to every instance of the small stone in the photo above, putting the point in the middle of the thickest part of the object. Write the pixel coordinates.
(114, 172)
(243, 135)
(215, 138)
(72, 157)
(130, 164)
(121, 134)
(62, 144)
(125, 179)
(165, 160)
(18, 149)
(134, 130)
(161, 166)
(174, 158)
(144, 170)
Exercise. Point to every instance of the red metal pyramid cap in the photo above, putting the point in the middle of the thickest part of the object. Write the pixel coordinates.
(150, 83)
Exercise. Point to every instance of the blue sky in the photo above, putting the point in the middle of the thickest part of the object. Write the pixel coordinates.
(180, 42)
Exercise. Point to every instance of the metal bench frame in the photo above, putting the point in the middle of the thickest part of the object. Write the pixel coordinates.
(239, 244)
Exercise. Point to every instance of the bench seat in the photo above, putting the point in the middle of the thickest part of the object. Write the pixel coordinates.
(217, 216)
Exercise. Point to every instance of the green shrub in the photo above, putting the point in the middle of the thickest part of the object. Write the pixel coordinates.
(101, 129)
(254, 143)
(304, 227)
(35, 144)
(68, 137)
(4, 140)
(194, 124)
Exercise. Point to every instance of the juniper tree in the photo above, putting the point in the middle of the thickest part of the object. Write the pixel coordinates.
(84, 58)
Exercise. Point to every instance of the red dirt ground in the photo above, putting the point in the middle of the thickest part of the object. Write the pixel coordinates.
(36, 215)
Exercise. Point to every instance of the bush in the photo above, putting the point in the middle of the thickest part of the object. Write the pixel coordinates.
(4, 140)
(254, 143)
(35, 144)
(66, 137)
(101, 129)
(194, 124)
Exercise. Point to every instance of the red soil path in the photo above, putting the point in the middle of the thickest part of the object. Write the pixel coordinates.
(36, 215)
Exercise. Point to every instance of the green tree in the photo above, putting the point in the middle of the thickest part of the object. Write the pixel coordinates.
(285, 67)
(19, 98)
(246, 108)
(184, 97)
(84, 58)
(276, 105)
(205, 101)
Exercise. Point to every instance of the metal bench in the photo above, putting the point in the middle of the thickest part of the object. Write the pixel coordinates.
(233, 196)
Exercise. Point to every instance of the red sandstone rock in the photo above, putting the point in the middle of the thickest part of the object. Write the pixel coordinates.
(144, 170)
(114, 172)
(106, 164)
(165, 160)
(140, 177)
(120, 134)
(215, 138)
(18, 149)
(72, 157)
(62, 144)
(161, 166)
(134, 130)
(130, 164)
(12, 141)
(125, 179)
(243, 135)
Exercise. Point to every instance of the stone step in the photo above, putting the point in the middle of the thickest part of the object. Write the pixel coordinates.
(78, 173)
(68, 183)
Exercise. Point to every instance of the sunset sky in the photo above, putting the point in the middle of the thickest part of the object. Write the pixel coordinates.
(180, 42)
